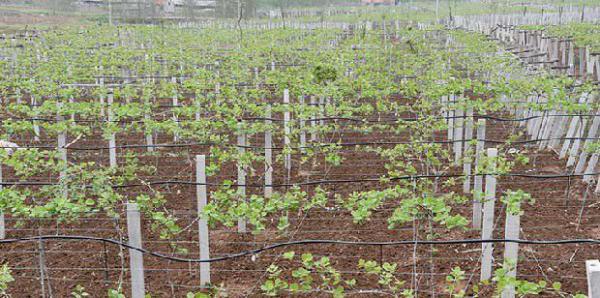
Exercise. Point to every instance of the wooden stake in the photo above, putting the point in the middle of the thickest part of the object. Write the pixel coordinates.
(287, 133)
(2, 224)
(478, 179)
(241, 175)
(202, 222)
(268, 155)
(487, 249)
(36, 127)
(61, 141)
(136, 258)
(575, 149)
(592, 268)
(175, 102)
(458, 135)
(584, 153)
(450, 121)
(302, 130)
(512, 228)
(112, 144)
(313, 123)
(590, 169)
(148, 133)
(468, 159)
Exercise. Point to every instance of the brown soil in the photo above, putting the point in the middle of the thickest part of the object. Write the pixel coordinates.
(98, 267)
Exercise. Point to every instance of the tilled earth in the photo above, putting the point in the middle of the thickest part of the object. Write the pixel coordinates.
(562, 210)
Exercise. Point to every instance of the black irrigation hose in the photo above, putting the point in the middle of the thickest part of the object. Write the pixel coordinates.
(345, 181)
(312, 183)
(136, 146)
(389, 120)
(296, 243)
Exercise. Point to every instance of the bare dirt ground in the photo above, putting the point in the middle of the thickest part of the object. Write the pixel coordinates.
(561, 211)
(18, 18)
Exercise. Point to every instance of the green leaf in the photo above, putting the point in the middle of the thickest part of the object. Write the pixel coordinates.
(351, 282)
(338, 292)
(556, 286)
(307, 258)
(289, 255)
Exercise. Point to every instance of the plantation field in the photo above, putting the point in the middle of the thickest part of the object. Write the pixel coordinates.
(369, 153)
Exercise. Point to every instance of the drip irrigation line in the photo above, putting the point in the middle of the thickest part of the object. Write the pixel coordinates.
(294, 243)
(320, 145)
(365, 121)
(309, 183)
